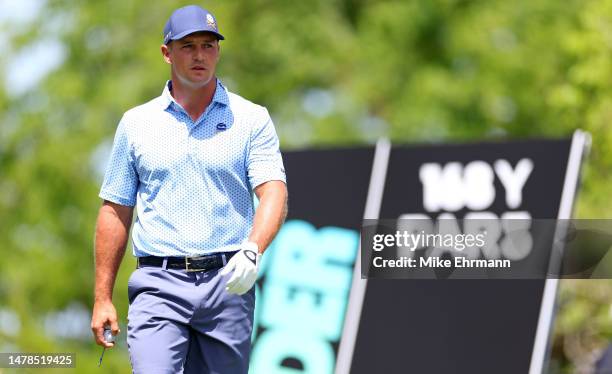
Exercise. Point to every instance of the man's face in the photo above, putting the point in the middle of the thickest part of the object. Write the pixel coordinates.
(193, 58)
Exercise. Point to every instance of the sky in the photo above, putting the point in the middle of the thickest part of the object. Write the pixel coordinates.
(23, 69)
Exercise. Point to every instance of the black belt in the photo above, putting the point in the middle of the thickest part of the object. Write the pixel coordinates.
(198, 263)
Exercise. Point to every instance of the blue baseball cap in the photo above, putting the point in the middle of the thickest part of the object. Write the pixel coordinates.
(187, 20)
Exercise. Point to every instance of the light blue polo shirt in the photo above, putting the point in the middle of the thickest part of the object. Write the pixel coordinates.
(192, 181)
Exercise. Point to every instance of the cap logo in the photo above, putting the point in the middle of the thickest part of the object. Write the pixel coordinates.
(211, 21)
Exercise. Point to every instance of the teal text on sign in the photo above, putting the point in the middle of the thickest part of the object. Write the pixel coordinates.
(301, 305)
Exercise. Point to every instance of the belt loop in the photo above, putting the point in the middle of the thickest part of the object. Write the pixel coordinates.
(224, 259)
(165, 263)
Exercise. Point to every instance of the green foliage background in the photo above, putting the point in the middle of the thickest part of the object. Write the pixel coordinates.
(414, 71)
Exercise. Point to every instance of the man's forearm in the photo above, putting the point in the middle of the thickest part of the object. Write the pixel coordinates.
(270, 213)
(112, 230)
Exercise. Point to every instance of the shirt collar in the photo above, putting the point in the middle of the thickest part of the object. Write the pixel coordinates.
(220, 96)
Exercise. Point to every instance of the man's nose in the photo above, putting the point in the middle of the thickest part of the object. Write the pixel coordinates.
(199, 54)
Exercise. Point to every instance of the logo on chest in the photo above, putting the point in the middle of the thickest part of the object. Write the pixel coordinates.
(221, 126)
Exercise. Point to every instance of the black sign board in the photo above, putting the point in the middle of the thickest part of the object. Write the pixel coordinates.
(463, 326)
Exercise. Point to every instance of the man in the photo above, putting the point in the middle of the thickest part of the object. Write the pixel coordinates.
(189, 161)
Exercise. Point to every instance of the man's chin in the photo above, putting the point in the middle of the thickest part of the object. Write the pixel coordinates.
(195, 83)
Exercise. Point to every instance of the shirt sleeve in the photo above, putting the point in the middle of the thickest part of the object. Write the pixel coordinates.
(121, 179)
(265, 162)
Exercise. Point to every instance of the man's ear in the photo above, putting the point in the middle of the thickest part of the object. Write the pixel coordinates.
(165, 50)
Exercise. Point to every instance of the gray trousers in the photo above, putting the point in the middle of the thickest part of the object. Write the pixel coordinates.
(182, 322)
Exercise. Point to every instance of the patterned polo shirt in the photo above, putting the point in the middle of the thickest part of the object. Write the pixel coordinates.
(192, 181)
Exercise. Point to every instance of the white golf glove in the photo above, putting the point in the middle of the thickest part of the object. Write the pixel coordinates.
(245, 264)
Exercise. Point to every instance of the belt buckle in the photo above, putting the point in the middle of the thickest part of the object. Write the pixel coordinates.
(187, 263)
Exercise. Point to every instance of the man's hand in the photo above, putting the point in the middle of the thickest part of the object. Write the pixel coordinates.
(245, 264)
(104, 313)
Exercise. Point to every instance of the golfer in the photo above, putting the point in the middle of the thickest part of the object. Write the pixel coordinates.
(189, 161)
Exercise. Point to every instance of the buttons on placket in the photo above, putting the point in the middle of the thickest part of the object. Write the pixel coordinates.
(190, 145)
(187, 120)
